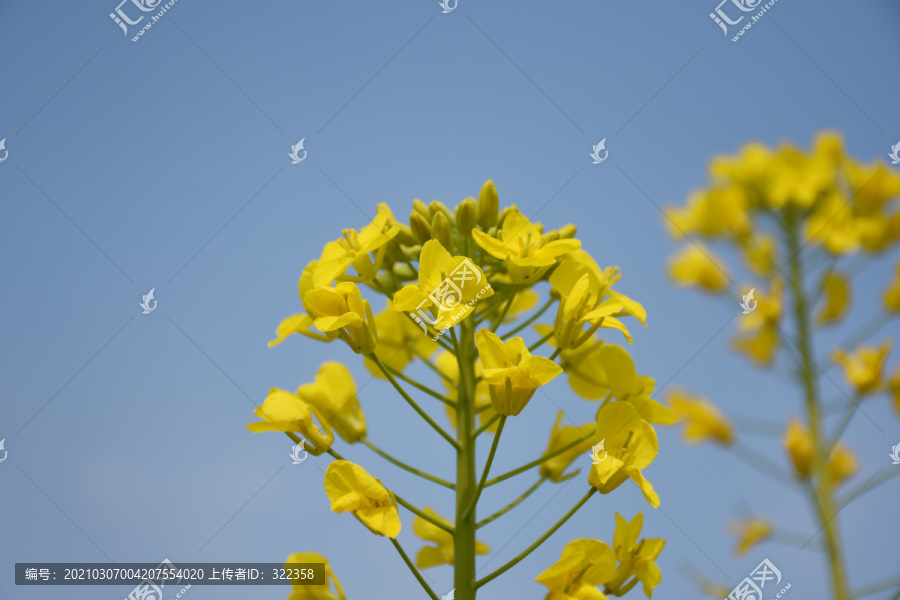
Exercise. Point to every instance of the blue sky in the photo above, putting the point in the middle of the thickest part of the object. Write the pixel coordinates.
(163, 164)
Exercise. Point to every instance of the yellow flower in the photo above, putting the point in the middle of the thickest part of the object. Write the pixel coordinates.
(343, 309)
(759, 338)
(302, 591)
(400, 341)
(836, 287)
(697, 266)
(586, 296)
(749, 532)
(750, 168)
(760, 253)
(354, 248)
(631, 445)
(582, 366)
(284, 411)
(892, 294)
(715, 212)
(703, 420)
(528, 253)
(301, 323)
(562, 436)
(841, 465)
(447, 365)
(583, 565)
(864, 368)
(636, 558)
(627, 386)
(449, 285)
(333, 395)
(442, 553)
(512, 372)
(351, 489)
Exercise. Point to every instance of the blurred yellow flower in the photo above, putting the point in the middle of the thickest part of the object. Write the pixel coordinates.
(449, 367)
(286, 412)
(631, 444)
(400, 341)
(697, 266)
(893, 386)
(703, 420)
(836, 287)
(512, 372)
(760, 336)
(554, 468)
(351, 489)
(528, 253)
(343, 309)
(333, 395)
(354, 248)
(749, 532)
(715, 212)
(864, 368)
(892, 294)
(302, 590)
(583, 565)
(760, 253)
(635, 558)
(442, 553)
(842, 463)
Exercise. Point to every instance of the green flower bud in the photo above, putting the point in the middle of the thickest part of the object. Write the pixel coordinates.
(440, 229)
(488, 205)
(567, 232)
(466, 214)
(437, 206)
(421, 230)
(422, 208)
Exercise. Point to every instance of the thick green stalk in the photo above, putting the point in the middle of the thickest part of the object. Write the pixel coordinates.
(466, 478)
(822, 489)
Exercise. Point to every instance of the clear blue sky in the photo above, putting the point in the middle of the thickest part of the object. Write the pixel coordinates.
(163, 164)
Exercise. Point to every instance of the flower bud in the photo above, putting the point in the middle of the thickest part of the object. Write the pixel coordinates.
(405, 236)
(404, 271)
(422, 208)
(437, 206)
(488, 205)
(466, 214)
(421, 230)
(567, 232)
(440, 229)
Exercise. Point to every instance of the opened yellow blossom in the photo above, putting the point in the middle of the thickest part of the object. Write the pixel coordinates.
(333, 395)
(631, 444)
(331, 590)
(351, 489)
(750, 533)
(521, 244)
(582, 366)
(702, 419)
(442, 553)
(583, 565)
(836, 287)
(449, 367)
(554, 469)
(302, 323)
(343, 309)
(354, 249)
(635, 558)
(448, 287)
(287, 412)
(627, 386)
(511, 371)
(842, 463)
(697, 266)
(864, 368)
(400, 341)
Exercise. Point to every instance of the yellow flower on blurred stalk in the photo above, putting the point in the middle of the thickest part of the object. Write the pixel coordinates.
(512, 372)
(554, 468)
(749, 532)
(286, 412)
(333, 395)
(442, 552)
(351, 489)
(583, 565)
(703, 420)
(631, 444)
(354, 248)
(343, 309)
(697, 266)
(842, 464)
(836, 287)
(636, 558)
(302, 590)
(521, 244)
(864, 368)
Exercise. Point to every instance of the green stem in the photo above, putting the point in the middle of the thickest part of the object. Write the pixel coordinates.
(822, 494)
(487, 425)
(406, 467)
(539, 541)
(412, 402)
(540, 342)
(487, 465)
(464, 537)
(555, 353)
(538, 461)
(420, 513)
(419, 386)
(503, 314)
(511, 505)
(415, 571)
(528, 322)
